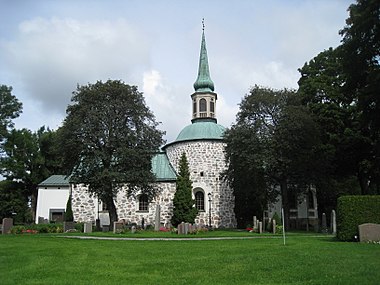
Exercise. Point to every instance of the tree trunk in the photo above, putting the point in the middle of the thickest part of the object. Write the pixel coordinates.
(112, 212)
(363, 181)
(285, 202)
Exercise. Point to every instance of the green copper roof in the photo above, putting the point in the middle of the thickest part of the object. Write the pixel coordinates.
(55, 180)
(162, 169)
(203, 82)
(201, 129)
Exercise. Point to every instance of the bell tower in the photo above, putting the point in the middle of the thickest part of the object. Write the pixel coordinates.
(204, 97)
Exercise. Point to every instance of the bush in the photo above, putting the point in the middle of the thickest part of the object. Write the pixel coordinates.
(37, 228)
(353, 211)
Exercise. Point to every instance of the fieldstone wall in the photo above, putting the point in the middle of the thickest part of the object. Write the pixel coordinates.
(127, 207)
(84, 204)
(206, 163)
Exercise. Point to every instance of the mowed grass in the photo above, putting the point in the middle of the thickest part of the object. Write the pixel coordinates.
(44, 259)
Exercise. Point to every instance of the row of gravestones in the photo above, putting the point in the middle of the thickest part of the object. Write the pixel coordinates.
(258, 225)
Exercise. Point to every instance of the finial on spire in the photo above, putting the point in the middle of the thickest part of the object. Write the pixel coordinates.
(203, 24)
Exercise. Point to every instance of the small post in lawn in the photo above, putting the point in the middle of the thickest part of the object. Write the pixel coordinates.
(283, 223)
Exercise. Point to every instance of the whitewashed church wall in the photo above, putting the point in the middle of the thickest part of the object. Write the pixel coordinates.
(206, 163)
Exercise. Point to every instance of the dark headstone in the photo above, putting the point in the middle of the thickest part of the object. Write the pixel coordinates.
(68, 226)
(7, 225)
(369, 232)
(181, 228)
(324, 223)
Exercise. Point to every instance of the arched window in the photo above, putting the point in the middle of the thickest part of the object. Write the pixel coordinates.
(202, 105)
(143, 203)
(212, 106)
(200, 201)
(194, 106)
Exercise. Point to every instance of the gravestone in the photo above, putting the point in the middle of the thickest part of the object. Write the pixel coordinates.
(133, 229)
(157, 219)
(118, 227)
(186, 229)
(68, 226)
(104, 219)
(143, 223)
(181, 228)
(260, 227)
(333, 222)
(255, 222)
(274, 226)
(324, 223)
(87, 228)
(7, 225)
(369, 232)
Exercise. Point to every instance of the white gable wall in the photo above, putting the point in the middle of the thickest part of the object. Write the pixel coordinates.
(51, 198)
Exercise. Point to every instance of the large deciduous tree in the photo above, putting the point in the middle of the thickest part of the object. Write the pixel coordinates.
(273, 145)
(109, 137)
(183, 203)
(30, 157)
(361, 65)
(10, 108)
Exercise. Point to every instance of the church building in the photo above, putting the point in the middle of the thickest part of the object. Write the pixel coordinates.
(201, 141)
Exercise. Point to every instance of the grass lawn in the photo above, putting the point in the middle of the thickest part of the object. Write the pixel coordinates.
(46, 259)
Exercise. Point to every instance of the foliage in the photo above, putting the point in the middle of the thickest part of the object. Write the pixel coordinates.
(14, 203)
(109, 137)
(37, 228)
(69, 216)
(273, 145)
(29, 158)
(10, 108)
(353, 211)
(183, 203)
(360, 54)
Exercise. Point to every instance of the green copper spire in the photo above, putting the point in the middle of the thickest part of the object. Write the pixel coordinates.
(203, 82)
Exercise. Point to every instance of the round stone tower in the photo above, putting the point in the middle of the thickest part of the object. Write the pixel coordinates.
(202, 142)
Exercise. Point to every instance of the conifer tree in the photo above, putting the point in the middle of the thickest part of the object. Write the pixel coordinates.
(184, 210)
(69, 216)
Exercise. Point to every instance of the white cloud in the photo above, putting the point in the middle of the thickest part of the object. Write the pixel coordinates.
(52, 56)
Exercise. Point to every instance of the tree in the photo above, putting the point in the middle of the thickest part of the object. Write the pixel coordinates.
(108, 138)
(273, 143)
(361, 65)
(245, 173)
(69, 217)
(10, 108)
(183, 203)
(29, 159)
(14, 202)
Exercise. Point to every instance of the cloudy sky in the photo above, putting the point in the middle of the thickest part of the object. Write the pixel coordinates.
(48, 47)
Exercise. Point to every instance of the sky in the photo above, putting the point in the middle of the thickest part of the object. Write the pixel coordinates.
(49, 47)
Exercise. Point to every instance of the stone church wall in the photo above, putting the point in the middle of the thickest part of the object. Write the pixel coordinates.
(85, 207)
(206, 163)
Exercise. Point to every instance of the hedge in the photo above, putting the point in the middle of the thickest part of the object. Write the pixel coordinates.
(353, 211)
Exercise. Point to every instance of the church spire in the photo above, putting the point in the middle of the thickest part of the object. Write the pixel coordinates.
(203, 82)
(204, 98)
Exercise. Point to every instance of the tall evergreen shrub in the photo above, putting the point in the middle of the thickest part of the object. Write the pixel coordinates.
(183, 204)
(69, 216)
